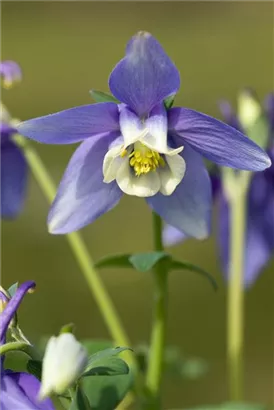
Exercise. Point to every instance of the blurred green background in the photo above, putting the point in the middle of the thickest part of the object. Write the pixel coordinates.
(67, 48)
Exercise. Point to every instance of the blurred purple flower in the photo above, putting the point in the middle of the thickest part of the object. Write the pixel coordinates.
(19, 390)
(260, 209)
(13, 163)
(10, 72)
(260, 212)
(140, 148)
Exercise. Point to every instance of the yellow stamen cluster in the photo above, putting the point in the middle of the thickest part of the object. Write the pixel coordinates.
(143, 159)
(3, 304)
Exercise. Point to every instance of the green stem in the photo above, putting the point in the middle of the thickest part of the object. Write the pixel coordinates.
(21, 347)
(158, 336)
(235, 308)
(80, 252)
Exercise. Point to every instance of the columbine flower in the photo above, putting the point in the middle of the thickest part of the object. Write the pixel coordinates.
(18, 389)
(260, 205)
(64, 361)
(140, 148)
(10, 72)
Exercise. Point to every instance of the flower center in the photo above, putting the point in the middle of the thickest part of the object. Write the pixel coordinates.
(143, 159)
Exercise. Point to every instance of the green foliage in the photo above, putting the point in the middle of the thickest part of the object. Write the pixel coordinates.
(114, 261)
(107, 378)
(12, 289)
(113, 366)
(69, 328)
(169, 101)
(178, 265)
(105, 363)
(35, 367)
(143, 262)
(106, 392)
(79, 401)
(100, 96)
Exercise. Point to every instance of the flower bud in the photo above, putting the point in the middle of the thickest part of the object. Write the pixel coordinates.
(249, 109)
(64, 361)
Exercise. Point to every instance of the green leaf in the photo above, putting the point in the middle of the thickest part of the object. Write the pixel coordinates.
(100, 96)
(12, 289)
(96, 345)
(106, 353)
(143, 262)
(169, 101)
(104, 392)
(176, 265)
(111, 366)
(35, 367)
(115, 261)
(80, 401)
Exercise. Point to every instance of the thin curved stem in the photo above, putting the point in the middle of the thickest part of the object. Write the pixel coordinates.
(80, 253)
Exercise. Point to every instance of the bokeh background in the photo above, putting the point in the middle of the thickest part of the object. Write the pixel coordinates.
(67, 48)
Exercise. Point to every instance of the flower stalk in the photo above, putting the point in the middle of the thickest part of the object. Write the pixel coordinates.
(79, 251)
(236, 188)
(158, 335)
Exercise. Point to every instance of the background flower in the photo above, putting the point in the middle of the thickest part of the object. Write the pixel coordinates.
(13, 163)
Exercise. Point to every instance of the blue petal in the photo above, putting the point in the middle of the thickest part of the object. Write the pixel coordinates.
(189, 207)
(217, 141)
(12, 306)
(171, 236)
(229, 115)
(82, 195)
(20, 391)
(13, 180)
(15, 395)
(145, 76)
(72, 125)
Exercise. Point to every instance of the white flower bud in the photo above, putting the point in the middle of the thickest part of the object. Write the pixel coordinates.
(64, 361)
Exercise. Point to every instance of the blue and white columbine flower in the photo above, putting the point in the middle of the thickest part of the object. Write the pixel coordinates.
(139, 148)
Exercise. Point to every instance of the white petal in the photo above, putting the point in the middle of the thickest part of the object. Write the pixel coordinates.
(64, 361)
(143, 186)
(131, 126)
(112, 162)
(156, 124)
(48, 369)
(172, 174)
